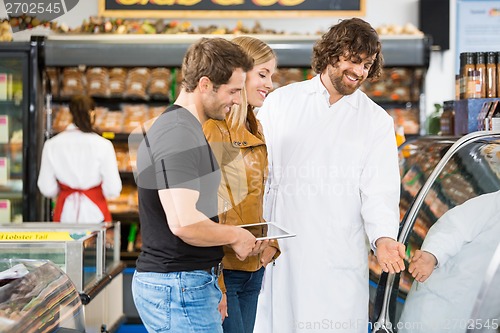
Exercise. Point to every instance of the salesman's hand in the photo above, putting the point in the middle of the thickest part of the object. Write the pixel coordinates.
(244, 244)
(223, 307)
(390, 255)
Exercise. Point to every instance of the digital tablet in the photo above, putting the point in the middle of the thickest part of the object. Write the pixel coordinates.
(267, 230)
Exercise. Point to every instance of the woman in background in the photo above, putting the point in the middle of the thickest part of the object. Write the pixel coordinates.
(240, 149)
(79, 167)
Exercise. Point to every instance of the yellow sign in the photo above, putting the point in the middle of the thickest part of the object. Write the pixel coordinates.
(108, 135)
(39, 236)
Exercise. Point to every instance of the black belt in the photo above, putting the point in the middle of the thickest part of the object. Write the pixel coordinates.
(217, 269)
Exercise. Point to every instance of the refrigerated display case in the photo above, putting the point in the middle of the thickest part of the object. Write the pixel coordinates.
(87, 252)
(453, 215)
(21, 129)
(36, 296)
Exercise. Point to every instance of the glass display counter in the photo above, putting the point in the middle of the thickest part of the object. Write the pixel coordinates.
(37, 296)
(88, 253)
(85, 252)
(452, 220)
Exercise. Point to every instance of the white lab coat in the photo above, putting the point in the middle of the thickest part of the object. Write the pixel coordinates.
(463, 240)
(334, 180)
(81, 161)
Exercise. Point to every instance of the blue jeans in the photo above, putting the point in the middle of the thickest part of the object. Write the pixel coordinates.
(242, 291)
(179, 302)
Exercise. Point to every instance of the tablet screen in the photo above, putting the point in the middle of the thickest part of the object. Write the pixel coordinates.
(268, 230)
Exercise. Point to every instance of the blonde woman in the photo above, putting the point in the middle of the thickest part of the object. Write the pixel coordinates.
(239, 146)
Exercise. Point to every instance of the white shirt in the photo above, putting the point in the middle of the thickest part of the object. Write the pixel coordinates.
(81, 161)
(334, 181)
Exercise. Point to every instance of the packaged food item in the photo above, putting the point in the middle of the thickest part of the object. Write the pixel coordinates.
(481, 68)
(112, 122)
(100, 116)
(467, 63)
(126, 202)
(473, 88)
(62, 118)
(291, 75)
(447, 121)
(122, 157)
(491, 75)
(159, 87)
(134, 116)
(498, 74)
(53, 77)
(97, 82)
(117, 78)
(137, 82)
(73, 82)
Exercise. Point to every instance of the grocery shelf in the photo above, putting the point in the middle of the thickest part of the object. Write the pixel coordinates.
(168, 50)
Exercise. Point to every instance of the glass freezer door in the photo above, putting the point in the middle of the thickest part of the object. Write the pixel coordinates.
(13, 114)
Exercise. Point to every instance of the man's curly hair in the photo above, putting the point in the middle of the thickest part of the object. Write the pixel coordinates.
(349, 38)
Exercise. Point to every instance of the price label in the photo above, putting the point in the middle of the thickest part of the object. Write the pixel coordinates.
(40, 236)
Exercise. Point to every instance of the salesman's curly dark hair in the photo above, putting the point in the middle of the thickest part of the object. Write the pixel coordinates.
(349, 38)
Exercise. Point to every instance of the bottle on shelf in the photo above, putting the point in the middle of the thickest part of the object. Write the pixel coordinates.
(491, 75)
(473, 84)
(498, 74)
(481, 68)
(447, 122)
(468, 61)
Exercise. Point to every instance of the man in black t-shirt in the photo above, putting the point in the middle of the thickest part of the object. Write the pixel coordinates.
(175, 285)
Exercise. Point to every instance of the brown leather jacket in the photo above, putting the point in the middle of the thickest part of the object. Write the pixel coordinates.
(242, 157)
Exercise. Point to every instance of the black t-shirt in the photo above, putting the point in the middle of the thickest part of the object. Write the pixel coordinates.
(174, 153)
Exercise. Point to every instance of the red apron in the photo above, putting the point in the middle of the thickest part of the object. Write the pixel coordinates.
(94, 194)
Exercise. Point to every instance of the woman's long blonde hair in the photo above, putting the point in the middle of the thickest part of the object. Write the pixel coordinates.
(260, 52)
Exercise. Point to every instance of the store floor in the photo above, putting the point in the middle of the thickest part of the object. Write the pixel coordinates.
(132, 328)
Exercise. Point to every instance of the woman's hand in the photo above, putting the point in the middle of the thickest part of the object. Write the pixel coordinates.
(268, 255)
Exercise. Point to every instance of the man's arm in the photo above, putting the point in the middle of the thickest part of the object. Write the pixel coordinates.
(194, 228)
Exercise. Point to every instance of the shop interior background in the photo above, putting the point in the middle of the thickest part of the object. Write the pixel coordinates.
(440, 79)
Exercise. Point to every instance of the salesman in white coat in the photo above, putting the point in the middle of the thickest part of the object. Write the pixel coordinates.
(450, 268)
(334, 181)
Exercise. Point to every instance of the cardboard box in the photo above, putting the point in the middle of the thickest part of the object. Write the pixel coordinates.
(466, 114)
